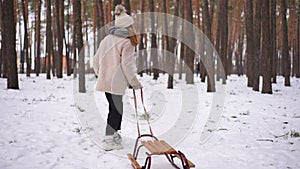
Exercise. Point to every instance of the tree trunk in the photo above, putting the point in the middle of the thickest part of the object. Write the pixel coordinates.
(100, 22)
(38, 37)
(273, 41)
(67, 41)
(292, 33)
(298, 44)
(182, 45)
(109, 9)
(22, 59)
(1, 30)
(285, 50)
(54, 40)
(28, 66)
(212, 11)
(127, 7)
(166, 42)
(240, 55)
(224, 37)
(209, 56)
(59, 34)
(203, 71)
(266, 55)
(190, 54)
(154, 56)
(256, 36)
(9, 37)
(250, 41)
(218, 40)
(74, 42)
(49, 45)
(171, 43)
(232, 30)
(79, 45)
(142, 56)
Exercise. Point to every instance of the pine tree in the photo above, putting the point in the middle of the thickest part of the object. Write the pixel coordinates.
(26, 48)
(49, 45)
(256, 36)
(285, 50)
(9, 37)
(1, 30)
(209, 57)
(59, 10)
(79, 45)
(266, 54)
(273, 41)
(154, 56)
(189, 37)
(38, 6)
(250, 41)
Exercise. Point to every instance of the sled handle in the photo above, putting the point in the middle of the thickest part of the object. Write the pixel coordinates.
(136, 113)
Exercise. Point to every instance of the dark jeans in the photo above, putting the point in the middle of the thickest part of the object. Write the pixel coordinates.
(114, 118)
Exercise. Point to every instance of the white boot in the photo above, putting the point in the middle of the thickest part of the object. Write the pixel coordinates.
(117, 138)
(108, 143)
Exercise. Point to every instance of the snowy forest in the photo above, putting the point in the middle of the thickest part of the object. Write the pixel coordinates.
(46, 36)
(221, 81)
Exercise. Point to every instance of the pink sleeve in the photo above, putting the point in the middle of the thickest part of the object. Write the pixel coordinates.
(129, 65)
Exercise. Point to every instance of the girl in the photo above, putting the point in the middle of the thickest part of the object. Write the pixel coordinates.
(114, 64)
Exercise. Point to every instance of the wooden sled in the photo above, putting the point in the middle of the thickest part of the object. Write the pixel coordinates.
(154, 147)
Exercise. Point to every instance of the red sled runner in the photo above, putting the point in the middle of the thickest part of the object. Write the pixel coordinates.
(154, 146)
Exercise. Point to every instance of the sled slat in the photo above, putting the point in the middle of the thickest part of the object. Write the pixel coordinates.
(191, 164)
(134, 163)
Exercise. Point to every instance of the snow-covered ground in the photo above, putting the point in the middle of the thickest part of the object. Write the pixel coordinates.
(48, 125)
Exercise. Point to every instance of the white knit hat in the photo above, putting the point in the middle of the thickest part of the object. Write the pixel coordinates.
(122, 18)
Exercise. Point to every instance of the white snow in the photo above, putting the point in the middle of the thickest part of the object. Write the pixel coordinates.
(47, 124)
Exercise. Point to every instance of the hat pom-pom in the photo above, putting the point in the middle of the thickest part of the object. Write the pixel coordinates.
(120, 9)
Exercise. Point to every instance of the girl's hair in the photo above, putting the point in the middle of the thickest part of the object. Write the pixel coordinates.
(132, 36)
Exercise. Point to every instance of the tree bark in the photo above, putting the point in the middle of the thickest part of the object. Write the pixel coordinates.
(100, 23)
(189, 35)
(266, 55)
(182, 45)
(240, 55)
(171, 43)
(142, 56)
(9, 37)
(49, 45)
(1, 30)
(218, 40)
(224, 37)
(298, 44)
(54, 40)
(38, 37)
(127, 7)
(200, 64)
(59, 40)
(74, 42)
(292, 33)
(285, 52)
(59, 31)
(250, 42)
(154, 56)
(256, 36)
(67, 41)
(273, 41)
(109, 9)
(79, 45)
(28, 66)
(209, 56)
